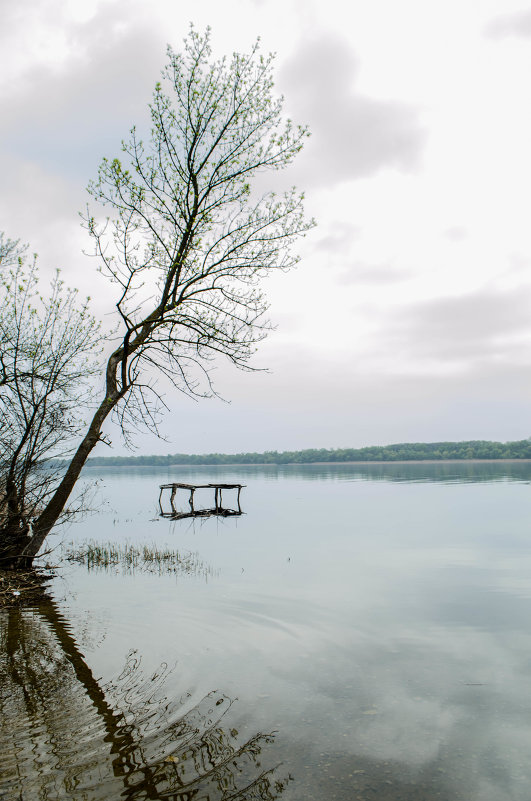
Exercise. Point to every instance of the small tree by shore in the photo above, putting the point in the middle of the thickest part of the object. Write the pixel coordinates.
(49, 346)
(185, 246)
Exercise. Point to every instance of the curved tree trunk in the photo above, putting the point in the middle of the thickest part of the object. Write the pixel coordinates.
(49, 516)
(21, 544)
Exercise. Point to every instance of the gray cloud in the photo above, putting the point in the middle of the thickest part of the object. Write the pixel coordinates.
(381, 274)
(470, 327)
(60, 119)
(336, 246)
(518, 24)
(67, 118)
(338, 238)
(353, 136)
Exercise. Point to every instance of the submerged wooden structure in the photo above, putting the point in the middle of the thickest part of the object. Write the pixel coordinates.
(217, 509)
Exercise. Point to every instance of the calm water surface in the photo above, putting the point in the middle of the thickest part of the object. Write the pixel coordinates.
(361, 632)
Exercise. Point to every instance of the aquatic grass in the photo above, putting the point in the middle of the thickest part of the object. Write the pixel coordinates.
(147, 558)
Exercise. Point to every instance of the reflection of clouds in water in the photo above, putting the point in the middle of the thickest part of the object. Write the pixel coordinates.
(424, 683)
(445, 703)
(425, 697)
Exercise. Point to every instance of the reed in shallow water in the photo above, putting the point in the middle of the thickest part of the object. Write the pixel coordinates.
(129, 557)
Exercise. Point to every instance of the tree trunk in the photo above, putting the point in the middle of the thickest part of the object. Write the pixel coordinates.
(15, 531)
(15, 540)
(20, 544)
(49, 516)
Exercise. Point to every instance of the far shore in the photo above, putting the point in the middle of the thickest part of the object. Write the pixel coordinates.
(314, 464)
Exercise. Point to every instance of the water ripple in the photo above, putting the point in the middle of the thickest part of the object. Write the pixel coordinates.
(63, 736)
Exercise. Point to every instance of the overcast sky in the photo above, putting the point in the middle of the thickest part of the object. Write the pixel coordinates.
(409, 315)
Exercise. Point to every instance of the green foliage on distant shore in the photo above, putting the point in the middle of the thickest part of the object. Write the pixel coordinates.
(407, 451)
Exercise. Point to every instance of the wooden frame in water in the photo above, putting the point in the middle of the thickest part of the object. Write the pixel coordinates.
(217, 509)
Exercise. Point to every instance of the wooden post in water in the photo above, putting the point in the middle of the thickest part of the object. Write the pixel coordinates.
(218, 500)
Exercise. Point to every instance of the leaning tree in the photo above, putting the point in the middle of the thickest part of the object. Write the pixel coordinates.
(186, 243)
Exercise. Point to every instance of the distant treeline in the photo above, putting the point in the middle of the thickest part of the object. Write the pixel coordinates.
(407, 451)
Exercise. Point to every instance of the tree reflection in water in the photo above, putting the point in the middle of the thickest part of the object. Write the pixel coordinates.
(65, 736)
